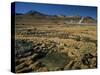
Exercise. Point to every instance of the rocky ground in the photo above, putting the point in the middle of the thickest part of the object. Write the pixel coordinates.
(39, 54)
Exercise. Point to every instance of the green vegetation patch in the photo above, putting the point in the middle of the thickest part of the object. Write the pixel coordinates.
(55, 61)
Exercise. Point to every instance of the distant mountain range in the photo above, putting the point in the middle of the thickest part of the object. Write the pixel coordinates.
(32, 16)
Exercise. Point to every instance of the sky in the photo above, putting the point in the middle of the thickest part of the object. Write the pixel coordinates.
(55, 9)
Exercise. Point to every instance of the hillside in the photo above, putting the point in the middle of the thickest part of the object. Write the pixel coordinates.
(40, 18)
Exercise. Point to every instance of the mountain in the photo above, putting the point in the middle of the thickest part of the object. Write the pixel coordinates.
(35, 13)
(19, 14)
(38, 17)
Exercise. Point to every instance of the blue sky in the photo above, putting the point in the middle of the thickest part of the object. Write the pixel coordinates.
(52, 9)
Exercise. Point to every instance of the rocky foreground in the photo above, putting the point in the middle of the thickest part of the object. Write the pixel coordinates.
(41, 54)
